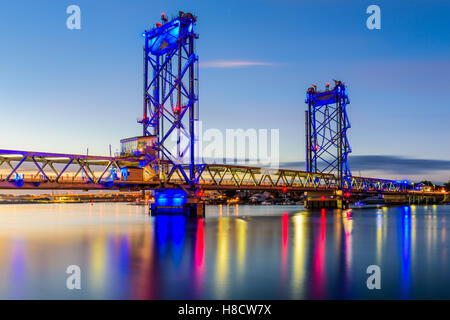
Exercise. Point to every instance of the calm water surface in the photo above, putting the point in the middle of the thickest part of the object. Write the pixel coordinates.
(236, 252)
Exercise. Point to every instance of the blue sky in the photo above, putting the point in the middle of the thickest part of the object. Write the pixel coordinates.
(67, 90)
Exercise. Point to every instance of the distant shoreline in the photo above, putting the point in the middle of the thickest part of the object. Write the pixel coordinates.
(61, 202)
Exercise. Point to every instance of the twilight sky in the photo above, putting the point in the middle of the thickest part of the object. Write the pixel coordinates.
(67, 90)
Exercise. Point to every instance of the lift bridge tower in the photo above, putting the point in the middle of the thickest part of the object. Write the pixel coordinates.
(170, 108)
(326, 124)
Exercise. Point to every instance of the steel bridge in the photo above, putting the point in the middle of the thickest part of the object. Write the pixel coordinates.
(170, 113)
(38, 170)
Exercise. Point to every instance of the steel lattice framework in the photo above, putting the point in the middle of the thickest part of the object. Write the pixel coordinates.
(25, 169)
(39, 170)
(327, 145)
(373, 184)
(170, 95)
(218, 177)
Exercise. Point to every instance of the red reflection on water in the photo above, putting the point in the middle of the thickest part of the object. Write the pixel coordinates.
(199, 256)
(348, 213)
(199, 245)
(284, 243)
(347, 254)
(319, 261)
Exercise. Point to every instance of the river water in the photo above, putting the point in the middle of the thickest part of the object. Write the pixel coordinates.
(236, 252)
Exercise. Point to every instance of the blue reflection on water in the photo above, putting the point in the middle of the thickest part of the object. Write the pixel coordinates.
(161, 233)
(170, 236)
(178, 237)
(124, 254)
(405, 233)
(18, 268)
(279, 252)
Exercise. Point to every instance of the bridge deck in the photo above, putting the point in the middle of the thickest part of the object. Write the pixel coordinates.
(38, 170)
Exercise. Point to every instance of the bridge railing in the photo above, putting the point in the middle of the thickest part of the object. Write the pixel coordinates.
(373, 184)
(83, 171)
(37, 167)
(214, 176)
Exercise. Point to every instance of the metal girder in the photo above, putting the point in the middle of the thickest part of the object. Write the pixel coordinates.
(373, 185)
(170, 97)
(102, 173)
(213, 176)
(326, 122)
(29, 167)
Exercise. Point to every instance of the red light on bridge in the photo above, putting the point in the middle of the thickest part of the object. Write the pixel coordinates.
(200, 193)
(177, 109)
(284, 189)
(347, 194)
(323, 198)
(316, 147)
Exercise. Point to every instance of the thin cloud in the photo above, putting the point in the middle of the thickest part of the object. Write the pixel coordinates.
(388, 164)
(398, 165)
(234, 64)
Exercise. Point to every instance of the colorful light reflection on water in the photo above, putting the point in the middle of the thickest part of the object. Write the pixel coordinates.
(273, 252)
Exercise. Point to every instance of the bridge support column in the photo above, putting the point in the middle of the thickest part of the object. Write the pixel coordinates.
(177, 202)
(395, 199)
(325, 200)
(194, 208)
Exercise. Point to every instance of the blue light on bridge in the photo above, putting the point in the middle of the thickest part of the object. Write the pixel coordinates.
(18, 177)
(113, 175)
(164, 38)
(169, 200)
(124, 173)
(142, 163)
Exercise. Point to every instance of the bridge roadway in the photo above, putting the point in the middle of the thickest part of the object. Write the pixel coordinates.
(37, 170)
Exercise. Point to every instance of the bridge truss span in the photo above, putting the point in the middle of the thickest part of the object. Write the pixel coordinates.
(25, 169)
(362, 184)
(39, 170)
(216, 176)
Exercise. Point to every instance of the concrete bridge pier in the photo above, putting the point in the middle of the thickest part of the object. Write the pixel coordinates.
(325, 199)
(425, 199)
(194, 208)
(177, 202)
(392, 199)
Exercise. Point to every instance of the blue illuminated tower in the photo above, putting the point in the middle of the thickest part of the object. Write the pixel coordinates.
(327, 145)
(170, 110)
